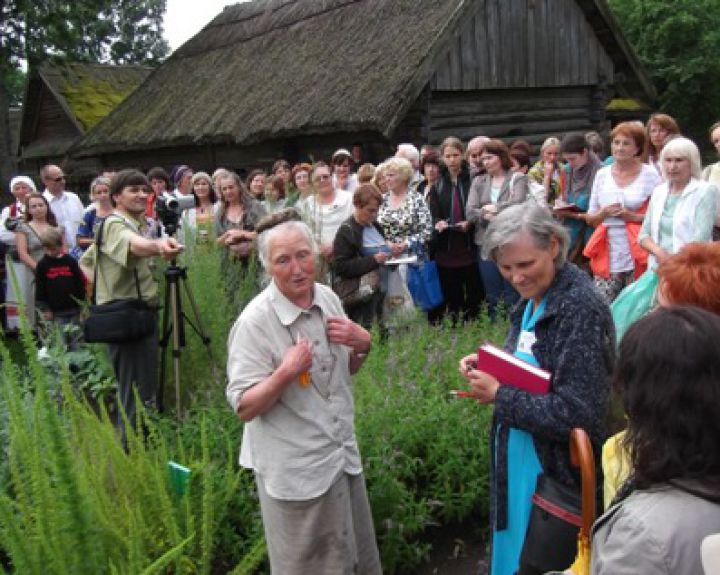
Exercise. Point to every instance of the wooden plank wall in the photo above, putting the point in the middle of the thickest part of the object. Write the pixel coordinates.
(52, 121)
(523, 43)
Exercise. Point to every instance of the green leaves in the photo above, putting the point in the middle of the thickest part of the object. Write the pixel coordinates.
(678, 44)
(113, 31)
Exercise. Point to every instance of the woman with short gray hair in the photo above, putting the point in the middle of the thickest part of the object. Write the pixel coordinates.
(563, 326)
(291, 354)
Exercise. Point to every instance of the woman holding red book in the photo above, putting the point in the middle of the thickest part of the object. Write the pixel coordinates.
(563, 326)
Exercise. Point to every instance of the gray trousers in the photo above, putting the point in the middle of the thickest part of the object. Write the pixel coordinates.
(136, 367)
(331, 534)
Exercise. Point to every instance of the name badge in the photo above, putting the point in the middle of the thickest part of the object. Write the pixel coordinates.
(526, 341)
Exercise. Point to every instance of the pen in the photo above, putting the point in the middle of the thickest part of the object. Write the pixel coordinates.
(458, 393)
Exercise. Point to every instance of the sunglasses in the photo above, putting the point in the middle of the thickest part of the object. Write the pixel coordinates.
(58, 179)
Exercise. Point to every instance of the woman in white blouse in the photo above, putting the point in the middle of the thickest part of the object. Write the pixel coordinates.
(324, 211)
(618, 201)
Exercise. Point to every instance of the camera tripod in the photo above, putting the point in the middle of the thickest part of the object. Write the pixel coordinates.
(173, 325)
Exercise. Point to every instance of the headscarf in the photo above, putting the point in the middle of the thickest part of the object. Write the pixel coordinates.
(22, 180)
(180, 171)
(582, 178)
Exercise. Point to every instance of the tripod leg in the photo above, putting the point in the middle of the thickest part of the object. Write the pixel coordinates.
(177, 339)
(164, 335)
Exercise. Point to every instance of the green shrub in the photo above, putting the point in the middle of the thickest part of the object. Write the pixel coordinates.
(426, 456)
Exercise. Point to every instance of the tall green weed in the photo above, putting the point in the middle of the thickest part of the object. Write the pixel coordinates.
(220, 287)
(76, 502)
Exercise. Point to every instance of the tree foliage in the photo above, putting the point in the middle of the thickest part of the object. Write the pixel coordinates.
(677, 41)
(35, 31)
(113, 31)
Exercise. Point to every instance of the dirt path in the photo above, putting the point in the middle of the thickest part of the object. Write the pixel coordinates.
(457, 550)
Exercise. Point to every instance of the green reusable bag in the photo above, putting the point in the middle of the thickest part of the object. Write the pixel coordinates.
(634, 302)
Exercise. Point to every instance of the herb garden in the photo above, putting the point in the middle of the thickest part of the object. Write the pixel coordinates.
(72, 500)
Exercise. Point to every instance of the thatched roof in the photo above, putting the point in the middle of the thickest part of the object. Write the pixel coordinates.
(84, 92)
(272, 69)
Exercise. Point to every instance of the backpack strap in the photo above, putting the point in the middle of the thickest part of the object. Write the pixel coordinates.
(98, 253)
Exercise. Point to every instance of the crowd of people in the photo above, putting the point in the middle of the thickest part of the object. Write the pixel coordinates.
(549, 245)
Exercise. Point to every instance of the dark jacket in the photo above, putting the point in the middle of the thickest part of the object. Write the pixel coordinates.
(348, 261)
(575, 343)
(440, 204)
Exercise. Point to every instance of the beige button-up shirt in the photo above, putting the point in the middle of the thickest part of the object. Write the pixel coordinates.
(116, 264)
(307, 438)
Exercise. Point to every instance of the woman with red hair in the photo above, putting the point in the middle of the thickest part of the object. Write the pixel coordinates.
(691, 277)
(618, 200)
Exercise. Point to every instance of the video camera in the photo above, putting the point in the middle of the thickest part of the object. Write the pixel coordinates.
(169, 207)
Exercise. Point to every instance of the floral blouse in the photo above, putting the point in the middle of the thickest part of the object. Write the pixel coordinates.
(410, 222)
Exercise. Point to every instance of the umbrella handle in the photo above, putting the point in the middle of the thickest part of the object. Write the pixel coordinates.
(581, 455)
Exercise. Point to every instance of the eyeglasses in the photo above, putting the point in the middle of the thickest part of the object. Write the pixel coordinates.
(321, 177)
(58, 179)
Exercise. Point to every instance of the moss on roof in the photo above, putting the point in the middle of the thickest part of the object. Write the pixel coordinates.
(626, 105)
(92, 101)
(91, 91)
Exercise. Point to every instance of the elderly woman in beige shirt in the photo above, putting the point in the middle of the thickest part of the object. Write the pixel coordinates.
(291, 354)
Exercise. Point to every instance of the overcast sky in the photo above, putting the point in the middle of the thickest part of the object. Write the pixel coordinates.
(185, 18)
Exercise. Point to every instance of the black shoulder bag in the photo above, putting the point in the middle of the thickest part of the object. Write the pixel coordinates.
(120, 320)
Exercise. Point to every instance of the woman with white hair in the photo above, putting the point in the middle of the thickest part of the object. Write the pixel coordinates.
(563, 326)
(291, 355)
(404, 215)
(547, 176)
(682, 208)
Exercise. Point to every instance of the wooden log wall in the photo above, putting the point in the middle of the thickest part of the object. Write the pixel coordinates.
(508, 114)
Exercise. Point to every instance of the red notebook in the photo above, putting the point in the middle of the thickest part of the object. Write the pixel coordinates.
(509, 370)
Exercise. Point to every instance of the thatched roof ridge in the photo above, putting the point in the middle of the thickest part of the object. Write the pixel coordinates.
(334, 75)
(243, 22)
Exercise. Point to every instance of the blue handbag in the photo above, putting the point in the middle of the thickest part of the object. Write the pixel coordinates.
(423, 282)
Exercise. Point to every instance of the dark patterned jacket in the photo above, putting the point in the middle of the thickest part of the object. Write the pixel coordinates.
(575, 343)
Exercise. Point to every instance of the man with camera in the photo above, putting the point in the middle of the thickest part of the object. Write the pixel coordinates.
(121, 258)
